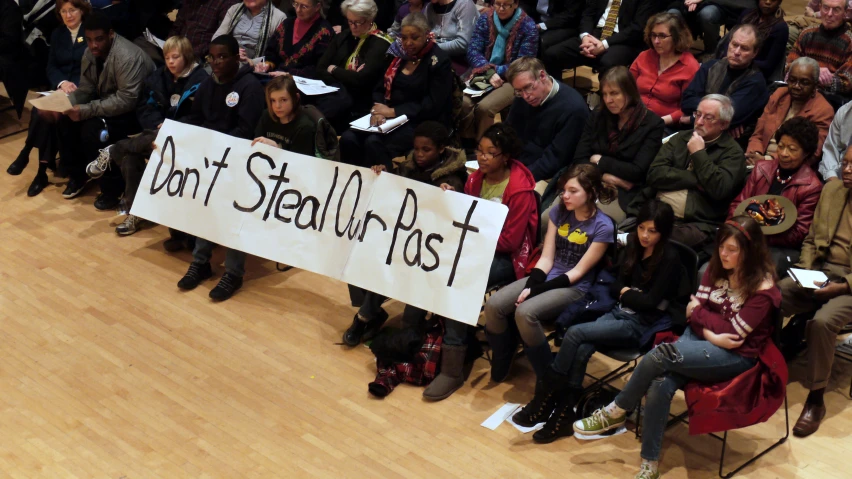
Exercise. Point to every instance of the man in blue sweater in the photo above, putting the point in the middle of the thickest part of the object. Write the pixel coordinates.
(735, 76)
(547, 114)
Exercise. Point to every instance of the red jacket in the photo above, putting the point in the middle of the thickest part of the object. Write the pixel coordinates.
(803, 190)
(817, 109)
(754, 395)
(661, 92)
(519, 231)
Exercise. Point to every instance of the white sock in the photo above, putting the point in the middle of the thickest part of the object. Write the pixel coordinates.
(652, 465)
(612, 410)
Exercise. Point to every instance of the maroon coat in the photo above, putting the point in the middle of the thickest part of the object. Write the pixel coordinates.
(803, 190)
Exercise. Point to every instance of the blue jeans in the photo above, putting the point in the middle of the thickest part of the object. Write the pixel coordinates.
(455, 332)
(709, 18)
(615, 329)
(235, 261)
(660, 378)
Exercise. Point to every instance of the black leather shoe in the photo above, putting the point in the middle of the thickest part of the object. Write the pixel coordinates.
(363, 330)
(106, 202)
(17, 166)
(39, 183)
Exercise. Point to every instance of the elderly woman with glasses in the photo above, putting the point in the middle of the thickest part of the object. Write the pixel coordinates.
(299, 42)
(418, 84)
(354, 61)
(67, 45)
(501, 35)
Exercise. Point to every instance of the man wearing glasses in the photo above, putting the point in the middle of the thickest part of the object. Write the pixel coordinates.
(547, 114)
(830, 45)
(698, 172)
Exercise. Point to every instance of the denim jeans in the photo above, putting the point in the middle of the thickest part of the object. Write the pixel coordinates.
(500, 309)
(501, 270)
(455, 332)
(709, 18)
(235, 261)
(615, 329)
(660, 378)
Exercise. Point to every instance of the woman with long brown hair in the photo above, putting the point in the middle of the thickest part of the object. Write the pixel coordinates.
(730, 327)
(578, 235)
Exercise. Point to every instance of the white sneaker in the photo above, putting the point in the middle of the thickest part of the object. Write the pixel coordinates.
(97, 168)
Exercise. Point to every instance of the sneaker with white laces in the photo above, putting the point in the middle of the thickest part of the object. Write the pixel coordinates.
(647, 472)
(97, 168)
(130, 225)
(599, 422)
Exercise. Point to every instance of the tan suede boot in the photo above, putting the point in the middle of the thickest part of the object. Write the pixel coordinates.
(452, 374)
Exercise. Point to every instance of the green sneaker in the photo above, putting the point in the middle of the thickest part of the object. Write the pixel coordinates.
(645, 472)
(599, 422)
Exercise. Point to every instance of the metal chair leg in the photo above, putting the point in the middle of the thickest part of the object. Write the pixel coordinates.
(762, 453)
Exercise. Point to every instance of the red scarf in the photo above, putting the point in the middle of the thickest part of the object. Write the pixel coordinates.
(399, 57)
(300, 28)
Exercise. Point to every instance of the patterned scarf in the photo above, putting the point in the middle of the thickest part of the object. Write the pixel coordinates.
(399, 57)
(352, 61)
(499, 50)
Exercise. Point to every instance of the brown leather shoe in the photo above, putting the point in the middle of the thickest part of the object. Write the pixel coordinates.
(809, 420)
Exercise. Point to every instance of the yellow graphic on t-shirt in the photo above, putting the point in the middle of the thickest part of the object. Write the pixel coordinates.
(578, 237)
(564, 230)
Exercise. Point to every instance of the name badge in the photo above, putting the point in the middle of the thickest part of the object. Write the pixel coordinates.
(174, 100)
(232, 99)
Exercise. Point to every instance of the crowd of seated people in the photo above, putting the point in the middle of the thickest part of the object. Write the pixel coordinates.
(675, 151)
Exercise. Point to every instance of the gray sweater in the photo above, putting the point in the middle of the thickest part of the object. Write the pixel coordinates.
(115, 91)
(453, 29)
(839, 138)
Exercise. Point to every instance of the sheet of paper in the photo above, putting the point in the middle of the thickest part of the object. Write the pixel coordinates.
(56, 101)
(363, 124)
(472, 165)
(313, 87)
(476, 93)
(153, 40)
(44, 93)
(806, 277)
(501, 415)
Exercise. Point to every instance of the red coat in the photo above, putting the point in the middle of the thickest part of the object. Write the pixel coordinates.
(753, 396)
(817, 109)
(803, 190)
(519, 231)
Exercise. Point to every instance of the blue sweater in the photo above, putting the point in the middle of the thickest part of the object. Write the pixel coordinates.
(749, 98)
(550, 132)
(63, 61)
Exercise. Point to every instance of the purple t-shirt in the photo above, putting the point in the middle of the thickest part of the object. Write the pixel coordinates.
(573, 239)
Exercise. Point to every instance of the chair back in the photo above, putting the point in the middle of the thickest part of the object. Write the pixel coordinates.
(687, 283)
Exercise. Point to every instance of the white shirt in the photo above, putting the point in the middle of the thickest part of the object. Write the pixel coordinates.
(602, 23)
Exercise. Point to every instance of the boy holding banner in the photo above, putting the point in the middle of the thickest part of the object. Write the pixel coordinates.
(230, 102)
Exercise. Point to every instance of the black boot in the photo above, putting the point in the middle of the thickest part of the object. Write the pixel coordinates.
(504, 347)
(561, 422)
(540, 358)
(544, 401)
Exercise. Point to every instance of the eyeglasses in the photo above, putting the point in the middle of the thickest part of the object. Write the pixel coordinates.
(802, 82)
(707, 118)
(658, 36)
(503, 6)
(834, 10)
(211, 59)
(487, 156)
(358, 23)
(527, 89)
(302, 6)
(69, 11)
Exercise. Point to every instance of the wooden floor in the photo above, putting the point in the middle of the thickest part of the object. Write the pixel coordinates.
(107, 370)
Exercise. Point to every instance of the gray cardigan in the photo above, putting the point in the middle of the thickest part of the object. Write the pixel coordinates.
(115, 91)
(453, 29)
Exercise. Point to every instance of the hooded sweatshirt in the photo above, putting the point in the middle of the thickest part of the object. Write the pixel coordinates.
(451, 170)
(232, 108)
(519, 231)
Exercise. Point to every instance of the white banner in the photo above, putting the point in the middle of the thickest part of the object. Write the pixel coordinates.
(399, 238)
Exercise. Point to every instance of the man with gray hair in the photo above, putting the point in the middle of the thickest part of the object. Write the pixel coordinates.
(698, 172)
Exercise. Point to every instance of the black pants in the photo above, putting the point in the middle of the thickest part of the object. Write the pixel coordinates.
(338, 107)
(360, 148)
(43, 136)
(129, 156)
(566, 55)
(550, 38)
(80, 141)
